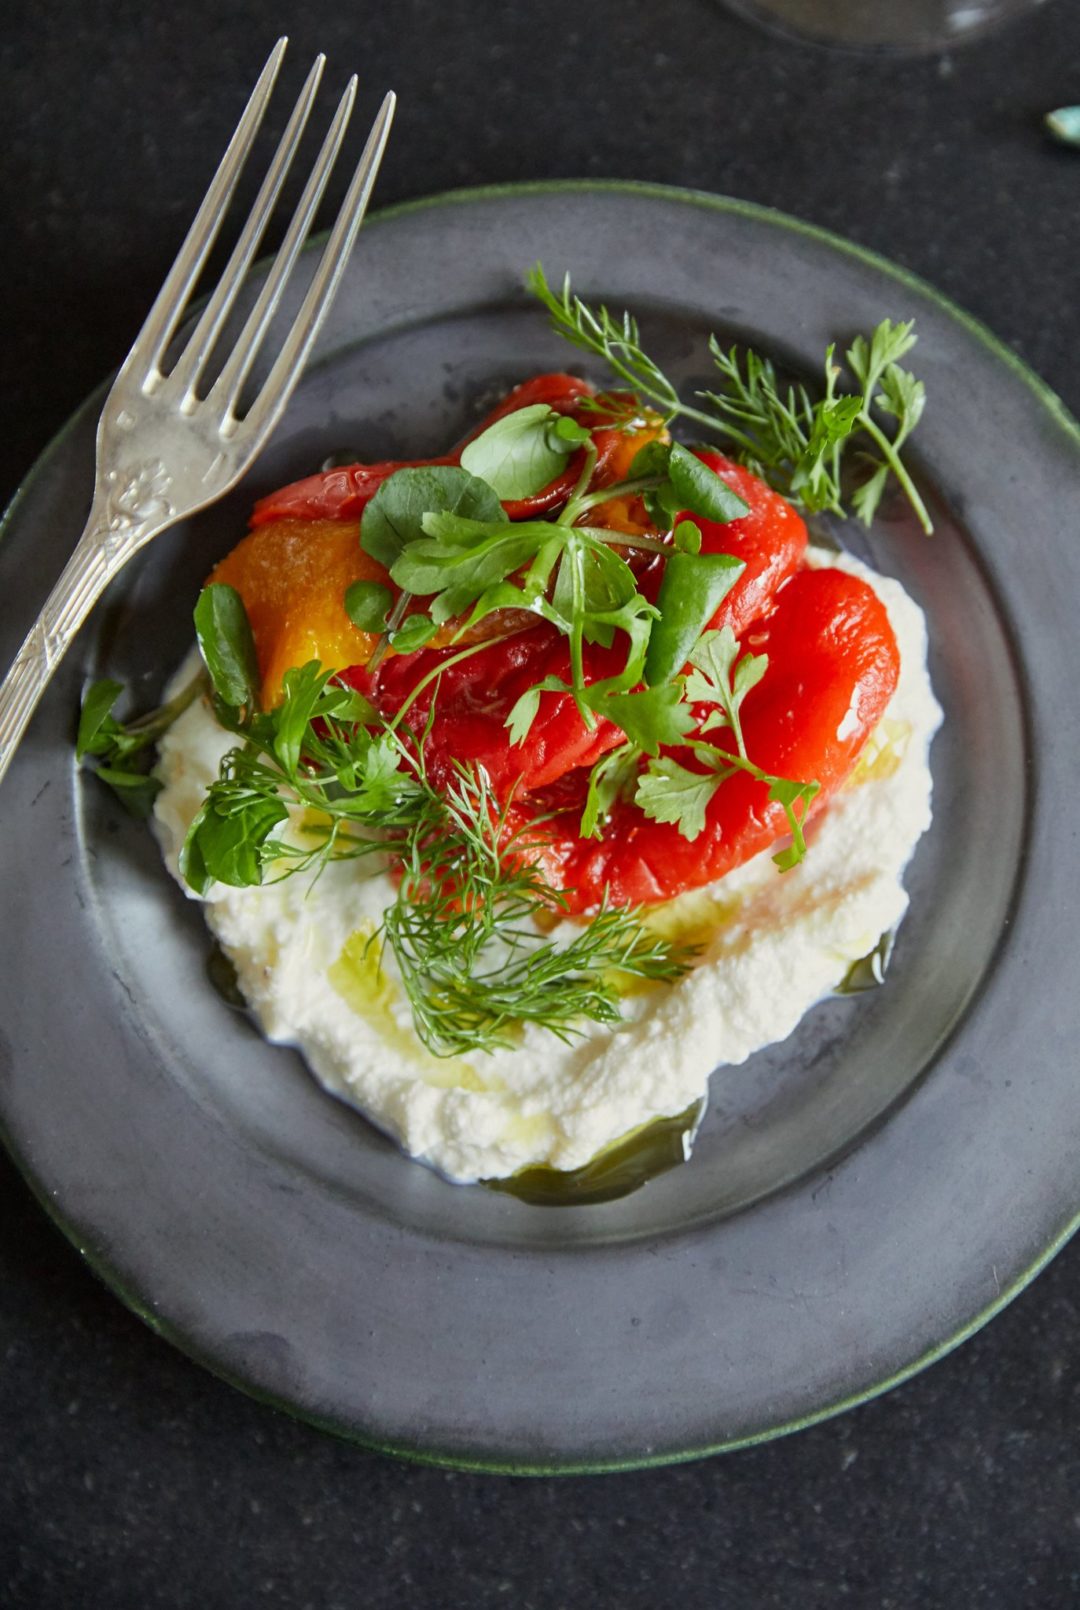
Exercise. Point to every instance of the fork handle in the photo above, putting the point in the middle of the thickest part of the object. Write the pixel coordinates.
(95, 561)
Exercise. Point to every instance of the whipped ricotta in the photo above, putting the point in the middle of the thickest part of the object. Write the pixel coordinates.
(773, 945)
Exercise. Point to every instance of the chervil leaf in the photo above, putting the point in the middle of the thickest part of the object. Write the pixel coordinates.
(791, 795)
(720, 677)
(796, 443)
(669, 792)
(613, 777)
(902, 396)
(865, 498)
(651, 718)
(888, 344)
(380, 781)
(524, 713)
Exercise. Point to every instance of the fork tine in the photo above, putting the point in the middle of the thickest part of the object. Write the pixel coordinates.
(225, 393)
(277, 388)
(171, 299)
(185, 373)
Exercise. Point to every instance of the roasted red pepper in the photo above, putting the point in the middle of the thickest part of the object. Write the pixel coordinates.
(476, 696)
(833, 666)
(342, 494)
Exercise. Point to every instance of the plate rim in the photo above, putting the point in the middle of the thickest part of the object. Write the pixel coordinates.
(1046, 398)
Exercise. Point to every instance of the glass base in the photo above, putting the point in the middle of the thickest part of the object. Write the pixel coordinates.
(882, 25)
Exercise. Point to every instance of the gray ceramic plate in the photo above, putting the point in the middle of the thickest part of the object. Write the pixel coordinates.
(860, 1198)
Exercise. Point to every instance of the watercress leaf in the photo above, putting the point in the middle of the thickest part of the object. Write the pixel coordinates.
(136, 790)
(503, 595)
(663, 505)
(700, 490)
(301, 687)
(668, 792)
(393, 519)
(96, 726)
(367, 604)
(224, 842)
(520, 453)
(192, 866)
(565, 429)
(347, 705)
(227, 646)
(592, 584)
(609, 583)
(413, 633)
(652, 459)
(691, 591)
(687, 537)
(459, 558)
(653, 717)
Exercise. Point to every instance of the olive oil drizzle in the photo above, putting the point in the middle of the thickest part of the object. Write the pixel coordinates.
(869, 971)
(621, 1168)
(222, 975)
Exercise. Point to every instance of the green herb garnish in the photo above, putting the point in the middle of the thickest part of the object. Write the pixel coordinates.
(124, 752)
(668, 791)
(524, 451)
(463, 926)
(795, 443)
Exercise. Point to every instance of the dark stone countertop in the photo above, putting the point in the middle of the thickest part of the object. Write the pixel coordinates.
(131, 1478)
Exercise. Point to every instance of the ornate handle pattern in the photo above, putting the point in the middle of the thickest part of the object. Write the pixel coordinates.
(131, 506)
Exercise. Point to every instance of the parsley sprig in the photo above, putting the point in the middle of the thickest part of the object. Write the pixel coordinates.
(796, 443)
(720, 678)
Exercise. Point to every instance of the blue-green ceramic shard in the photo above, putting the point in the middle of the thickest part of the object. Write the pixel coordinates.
(1064, 124)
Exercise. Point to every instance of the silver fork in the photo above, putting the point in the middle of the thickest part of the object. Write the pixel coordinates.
(162, 451)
